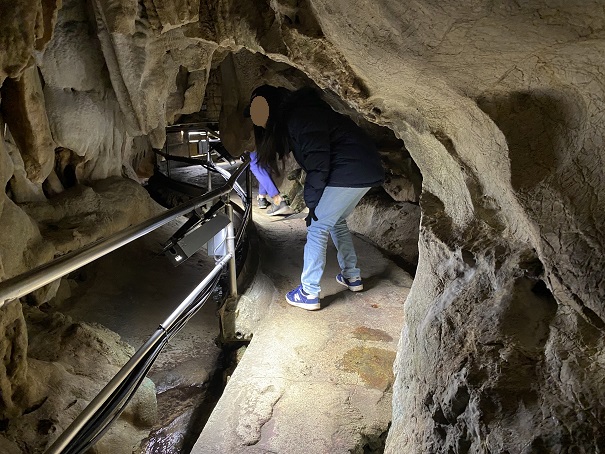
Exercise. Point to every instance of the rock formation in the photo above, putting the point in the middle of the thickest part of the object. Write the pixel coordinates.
(499, 105)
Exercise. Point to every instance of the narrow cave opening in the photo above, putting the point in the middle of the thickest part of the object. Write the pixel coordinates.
(388, 217)
(394, 206)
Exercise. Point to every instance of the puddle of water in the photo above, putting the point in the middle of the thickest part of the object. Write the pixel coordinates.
(365, 333)
(373, 365)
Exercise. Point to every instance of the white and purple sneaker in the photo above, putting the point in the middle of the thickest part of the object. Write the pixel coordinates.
(299, 298)
(354, 284)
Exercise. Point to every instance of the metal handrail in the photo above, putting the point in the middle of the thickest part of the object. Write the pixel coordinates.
(110, 390)
(94, 420)
(29, 281)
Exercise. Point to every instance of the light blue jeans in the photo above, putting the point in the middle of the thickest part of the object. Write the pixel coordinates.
(335, 205)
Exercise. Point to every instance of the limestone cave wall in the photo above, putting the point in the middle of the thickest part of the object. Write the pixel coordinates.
(499, 105)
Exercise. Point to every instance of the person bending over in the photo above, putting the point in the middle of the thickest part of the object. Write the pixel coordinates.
(341, 163)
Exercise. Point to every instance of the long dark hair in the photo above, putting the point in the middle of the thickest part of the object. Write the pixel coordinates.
(272, 144)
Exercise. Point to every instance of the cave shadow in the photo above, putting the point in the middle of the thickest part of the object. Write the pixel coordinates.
(330, 300)
(537, 127)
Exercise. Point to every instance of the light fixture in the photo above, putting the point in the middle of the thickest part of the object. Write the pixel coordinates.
(196, 136)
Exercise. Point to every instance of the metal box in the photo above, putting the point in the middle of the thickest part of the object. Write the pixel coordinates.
(195, 239)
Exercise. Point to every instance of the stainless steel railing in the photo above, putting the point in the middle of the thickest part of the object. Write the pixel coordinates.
(90, 425)
(27, 282)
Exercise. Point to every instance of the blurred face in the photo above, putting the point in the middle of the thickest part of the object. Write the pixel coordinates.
(259, 111)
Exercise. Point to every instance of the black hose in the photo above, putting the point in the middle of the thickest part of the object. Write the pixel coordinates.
(114, 406)
(97, 427)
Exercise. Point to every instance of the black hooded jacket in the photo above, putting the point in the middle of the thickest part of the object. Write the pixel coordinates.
(329, 146)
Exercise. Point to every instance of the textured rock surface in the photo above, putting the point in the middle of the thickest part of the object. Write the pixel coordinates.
(22, 245)
(69, 363)
(24, 108)
(26, 26)
(500, 107)
(13, 375)
(86, 213)
(393, 226)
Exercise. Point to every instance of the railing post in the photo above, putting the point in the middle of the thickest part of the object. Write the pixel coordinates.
(231, 250)
(209, 159)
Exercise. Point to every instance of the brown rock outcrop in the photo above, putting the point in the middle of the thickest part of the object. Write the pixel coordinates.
(68, 364)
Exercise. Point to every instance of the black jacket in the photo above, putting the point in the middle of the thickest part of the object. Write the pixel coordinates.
(330, 147)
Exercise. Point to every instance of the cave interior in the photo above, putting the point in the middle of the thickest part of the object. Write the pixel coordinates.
(483, 325)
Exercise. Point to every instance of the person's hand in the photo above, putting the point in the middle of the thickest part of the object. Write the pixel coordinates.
(310, 217)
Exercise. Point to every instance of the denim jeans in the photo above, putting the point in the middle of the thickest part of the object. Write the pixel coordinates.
(265, 182)
(335, 205)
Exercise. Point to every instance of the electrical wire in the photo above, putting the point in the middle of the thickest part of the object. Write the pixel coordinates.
(115, 405)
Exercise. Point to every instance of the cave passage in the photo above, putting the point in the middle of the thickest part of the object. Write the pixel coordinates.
(131, 289)
(488, 116)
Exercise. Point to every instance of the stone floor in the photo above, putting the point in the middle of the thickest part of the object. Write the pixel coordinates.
(312, 382)
(309, 382)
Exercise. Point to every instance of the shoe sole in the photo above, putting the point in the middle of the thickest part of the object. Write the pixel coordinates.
(353, 288)
(284, 210)
(307, 306)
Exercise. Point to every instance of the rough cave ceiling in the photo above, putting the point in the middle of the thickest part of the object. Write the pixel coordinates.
(500, 105)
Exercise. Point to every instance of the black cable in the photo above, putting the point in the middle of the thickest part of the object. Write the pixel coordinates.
(114, 406)
(120, 398)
